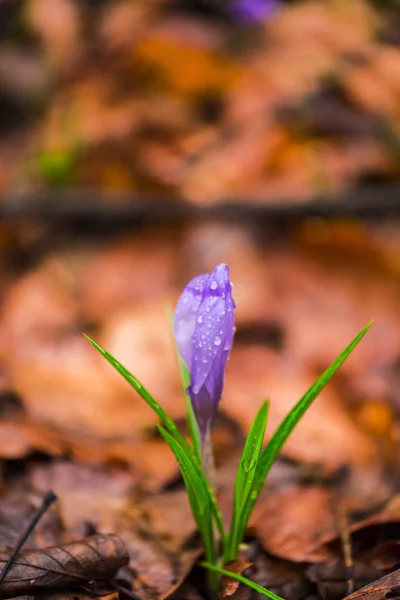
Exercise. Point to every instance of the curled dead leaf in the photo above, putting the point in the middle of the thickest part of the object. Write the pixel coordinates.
(98, 557)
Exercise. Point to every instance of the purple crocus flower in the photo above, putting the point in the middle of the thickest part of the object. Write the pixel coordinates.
(253, 11)
(204, 328)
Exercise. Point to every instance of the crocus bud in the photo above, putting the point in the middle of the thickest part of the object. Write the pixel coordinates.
(253, 11)
(204, 328)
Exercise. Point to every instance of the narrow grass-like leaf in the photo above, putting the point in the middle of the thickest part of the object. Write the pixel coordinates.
(197, 494)
(168, 424)
(274, 446)
(244, 580)
(245, 477)
(185, 378)
(190, 416)
(147, 397)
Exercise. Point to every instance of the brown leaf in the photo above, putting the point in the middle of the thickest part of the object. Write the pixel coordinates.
(332, 577)
(289, 524)
(91, 495)
(97, 557)
(386, 587)
(158, 571)
(229, 586)
(281, 577)
(185, 67)
(75, 594)
(385, 556)
(154, 528)
(17, 508)
(367, 533)
(284, 380)
(117, 276)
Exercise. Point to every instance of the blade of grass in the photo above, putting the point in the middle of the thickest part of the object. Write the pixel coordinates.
(185, 378)
(190, 416)
(147, 397)
(198, 497)
(274, 446)
(245, 477)
(244, 580)
(169, 425)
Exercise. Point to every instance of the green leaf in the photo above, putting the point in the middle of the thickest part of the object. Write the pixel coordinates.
(169, 425)
(147, 397)
(190, 416)
(245, 477)
(197, 494)
(248, 582)
(274, 446)
(185, 378)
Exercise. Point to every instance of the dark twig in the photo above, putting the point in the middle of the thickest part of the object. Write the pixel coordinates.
(366, 202)
(345, 538)
(48, 500)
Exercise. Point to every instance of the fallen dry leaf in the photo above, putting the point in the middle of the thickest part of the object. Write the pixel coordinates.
(116, 277)
(17, 508)
(229, 586)
(386, 587)
(292, 523)
(96, 558)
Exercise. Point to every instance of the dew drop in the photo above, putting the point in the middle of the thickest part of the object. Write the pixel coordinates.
(199, 319)
(213, 285)
(217, 340)
(204, 359)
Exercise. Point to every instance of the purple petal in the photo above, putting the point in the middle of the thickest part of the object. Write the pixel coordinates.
(186, 314)
(213, 333)
(253, 11)
(204, 328)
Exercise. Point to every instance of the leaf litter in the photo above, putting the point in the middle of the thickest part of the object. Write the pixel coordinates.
(127, 484)
(308, 108)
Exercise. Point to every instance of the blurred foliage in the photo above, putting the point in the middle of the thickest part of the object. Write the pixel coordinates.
(191, 99)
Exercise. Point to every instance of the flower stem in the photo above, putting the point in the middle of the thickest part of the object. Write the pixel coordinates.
(208, 466)
(207, 458)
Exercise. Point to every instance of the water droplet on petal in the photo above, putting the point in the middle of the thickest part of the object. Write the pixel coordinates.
(213, 285)
(204, 359)
(217, 340)
(199, 319)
